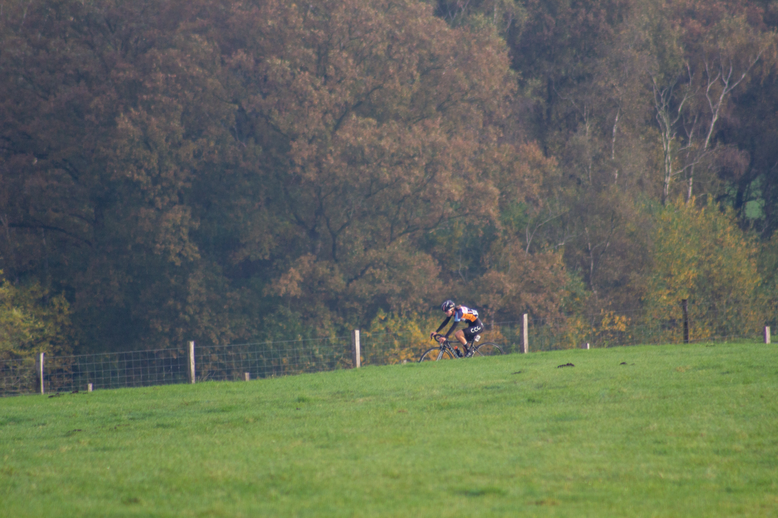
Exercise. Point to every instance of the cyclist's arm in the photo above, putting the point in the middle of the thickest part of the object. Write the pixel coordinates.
(443, 325)
(450, 329)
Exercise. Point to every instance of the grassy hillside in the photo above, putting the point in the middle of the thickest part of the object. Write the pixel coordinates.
(638, 431)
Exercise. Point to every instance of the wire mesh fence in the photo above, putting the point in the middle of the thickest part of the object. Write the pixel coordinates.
(281, 358)
(271, 359)
(686, 324)
(116, 370)
(101, 371)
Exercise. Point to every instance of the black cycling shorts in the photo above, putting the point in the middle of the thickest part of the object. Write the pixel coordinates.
(476, 328)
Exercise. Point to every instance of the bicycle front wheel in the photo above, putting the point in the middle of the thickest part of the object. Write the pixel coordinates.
(487, 349)
(436, 353)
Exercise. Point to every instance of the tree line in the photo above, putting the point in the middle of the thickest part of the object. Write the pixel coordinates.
(224, 170)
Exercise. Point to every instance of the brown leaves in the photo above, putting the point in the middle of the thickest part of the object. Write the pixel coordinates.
(381, 122)
(523, 282)
(202, 162)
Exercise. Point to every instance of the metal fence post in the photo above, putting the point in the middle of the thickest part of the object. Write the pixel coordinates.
(41, 373)
(355, 347)
(525, 335)
(191, 362)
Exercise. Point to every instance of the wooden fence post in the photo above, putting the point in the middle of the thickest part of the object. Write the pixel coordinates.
(191, 362)
(89, 387)
(41, 372)
(356, 349)
(685, 307)
(247, 376)
(525, 334)
(767, 334)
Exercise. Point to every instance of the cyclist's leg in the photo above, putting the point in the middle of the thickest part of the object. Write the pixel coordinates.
(460, 336)
(471, 334)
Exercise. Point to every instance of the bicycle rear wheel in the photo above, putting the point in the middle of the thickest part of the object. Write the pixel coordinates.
(435, 354)
(487, 349)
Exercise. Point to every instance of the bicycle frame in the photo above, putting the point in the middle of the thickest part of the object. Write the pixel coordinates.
(447, 347)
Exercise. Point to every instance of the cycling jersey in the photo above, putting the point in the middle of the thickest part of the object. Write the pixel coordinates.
(467, 314)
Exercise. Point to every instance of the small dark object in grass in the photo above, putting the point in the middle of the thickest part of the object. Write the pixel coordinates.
(518, 372)
(623, 363)
(566, 365)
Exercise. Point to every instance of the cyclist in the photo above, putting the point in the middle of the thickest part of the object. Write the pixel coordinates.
(460, 313)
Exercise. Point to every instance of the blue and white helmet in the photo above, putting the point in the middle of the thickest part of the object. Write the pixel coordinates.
(448, 304)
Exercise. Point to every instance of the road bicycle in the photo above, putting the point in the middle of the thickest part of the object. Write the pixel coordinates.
(448, 350)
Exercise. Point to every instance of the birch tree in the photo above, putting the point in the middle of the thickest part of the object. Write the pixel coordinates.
(694, 73)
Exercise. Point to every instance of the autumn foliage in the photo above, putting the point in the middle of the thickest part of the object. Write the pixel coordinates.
(221, 170)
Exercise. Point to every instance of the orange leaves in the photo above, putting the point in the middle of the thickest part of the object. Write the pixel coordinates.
(379, 124)
(199, 159)
(523, 282)
(289, 284)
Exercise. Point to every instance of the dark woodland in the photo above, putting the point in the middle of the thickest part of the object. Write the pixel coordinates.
(231, 170)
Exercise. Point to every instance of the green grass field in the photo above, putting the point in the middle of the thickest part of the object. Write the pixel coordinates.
(687, 431)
